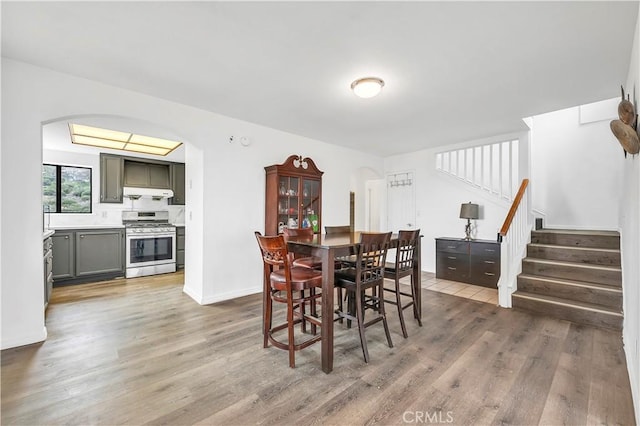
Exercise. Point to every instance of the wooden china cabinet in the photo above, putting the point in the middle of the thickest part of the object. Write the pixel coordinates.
(293, 195)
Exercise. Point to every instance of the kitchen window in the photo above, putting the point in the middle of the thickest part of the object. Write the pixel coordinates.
(66, 189)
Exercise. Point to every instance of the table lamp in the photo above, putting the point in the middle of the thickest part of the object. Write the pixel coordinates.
(468, 211)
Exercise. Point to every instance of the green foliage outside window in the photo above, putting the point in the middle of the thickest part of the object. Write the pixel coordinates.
(66, 189)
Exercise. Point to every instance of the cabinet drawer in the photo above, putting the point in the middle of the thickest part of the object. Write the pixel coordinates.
(485, 250)
(452, 246)
(485, 272)
(452, 266)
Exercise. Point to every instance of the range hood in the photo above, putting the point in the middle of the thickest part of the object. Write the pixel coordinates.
(157, 194)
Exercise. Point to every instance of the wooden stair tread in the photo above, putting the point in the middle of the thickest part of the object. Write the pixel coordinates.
(573, 283)
(566, 303)
(578, 232)
(583, 248)
(573, 264)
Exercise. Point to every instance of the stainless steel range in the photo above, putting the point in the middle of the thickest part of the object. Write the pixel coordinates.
(150, 243)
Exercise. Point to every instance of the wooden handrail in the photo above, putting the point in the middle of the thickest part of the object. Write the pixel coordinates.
(512, 211)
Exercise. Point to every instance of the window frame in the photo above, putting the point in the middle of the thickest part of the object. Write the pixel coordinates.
(58, 173)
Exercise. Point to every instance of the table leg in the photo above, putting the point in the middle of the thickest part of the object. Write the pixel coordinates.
(417, 279)
(327, 256)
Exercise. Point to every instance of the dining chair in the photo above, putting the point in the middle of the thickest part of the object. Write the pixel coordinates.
(368, 272)
(288, 284)
(307, 234)
(337, 229)
(406, 253)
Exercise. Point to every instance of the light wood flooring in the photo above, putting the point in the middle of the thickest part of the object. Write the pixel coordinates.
(140, 351)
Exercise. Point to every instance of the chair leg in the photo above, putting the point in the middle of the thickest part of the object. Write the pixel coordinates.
(290, 329)
(340, 320)
(350, 306)
(313, 309)
(383, 313)
(267, 319)
(303, 323)
(400, 308)
(363, 341)
(416, 315)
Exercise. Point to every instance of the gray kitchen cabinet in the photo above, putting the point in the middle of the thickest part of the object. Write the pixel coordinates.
(63, 255)
(86, 255)
(177, 184)
(111, 178)
(180, 238)
(146, 175)
(47, 250)
(99, 252)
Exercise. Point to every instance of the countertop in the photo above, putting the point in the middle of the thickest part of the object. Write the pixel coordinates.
(62, 228)
(46, 234)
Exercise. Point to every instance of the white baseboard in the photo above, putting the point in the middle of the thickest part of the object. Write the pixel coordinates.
(22, 340)
(230, 295)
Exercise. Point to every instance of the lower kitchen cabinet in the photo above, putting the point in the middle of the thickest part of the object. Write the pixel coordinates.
(64, 255)
(474, 262)
(85, 255)
(180, 235)
(99, 252)
(47, 250)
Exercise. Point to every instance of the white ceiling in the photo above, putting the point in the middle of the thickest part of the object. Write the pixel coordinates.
(454, 71)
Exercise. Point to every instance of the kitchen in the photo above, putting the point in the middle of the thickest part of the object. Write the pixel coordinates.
(129, 220)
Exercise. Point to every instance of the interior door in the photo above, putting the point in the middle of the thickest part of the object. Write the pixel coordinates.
(401, 201)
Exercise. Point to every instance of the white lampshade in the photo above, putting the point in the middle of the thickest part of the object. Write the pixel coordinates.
(367, 87)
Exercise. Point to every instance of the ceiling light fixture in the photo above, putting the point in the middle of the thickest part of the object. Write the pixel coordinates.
(112, 139)
(367, 87)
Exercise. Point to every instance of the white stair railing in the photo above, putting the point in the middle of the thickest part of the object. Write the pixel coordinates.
(491, 167)
(515, 234)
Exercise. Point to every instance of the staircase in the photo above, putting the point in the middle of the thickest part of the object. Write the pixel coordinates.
(573, 275)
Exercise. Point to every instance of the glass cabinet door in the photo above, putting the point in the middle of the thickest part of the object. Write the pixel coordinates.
(288, 202)
(310, 203)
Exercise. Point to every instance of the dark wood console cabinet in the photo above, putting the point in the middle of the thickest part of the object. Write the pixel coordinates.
(474, 262)
(293, 195)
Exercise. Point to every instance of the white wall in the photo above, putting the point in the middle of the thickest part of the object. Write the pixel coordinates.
(438, 199)
(225, 186)
(576, 171)
(630, 243)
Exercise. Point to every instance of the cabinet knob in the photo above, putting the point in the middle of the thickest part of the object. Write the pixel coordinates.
(66, 237)
(81, 236)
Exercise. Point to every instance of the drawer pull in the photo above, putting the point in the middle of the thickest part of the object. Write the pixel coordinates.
(489, 273)
(491, 250)
(450, 268)
(451, 257)
(489, 261)
(451, 247)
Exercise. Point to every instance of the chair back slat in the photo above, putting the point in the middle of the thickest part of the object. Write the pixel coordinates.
(406, 251)
(372, 254)
(337, 229)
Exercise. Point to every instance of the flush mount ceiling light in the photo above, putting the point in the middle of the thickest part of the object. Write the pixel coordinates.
(113, 139)
(367, 87)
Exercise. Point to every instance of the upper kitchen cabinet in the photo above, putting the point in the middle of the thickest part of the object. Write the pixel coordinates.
(111, 178)
(293, 195)
(146, 175)
(118, 171)
(176, 172)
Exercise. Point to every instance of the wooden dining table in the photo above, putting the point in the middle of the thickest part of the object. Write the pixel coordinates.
(327, 247)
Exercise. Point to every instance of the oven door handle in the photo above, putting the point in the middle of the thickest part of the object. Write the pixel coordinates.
(150, 235)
